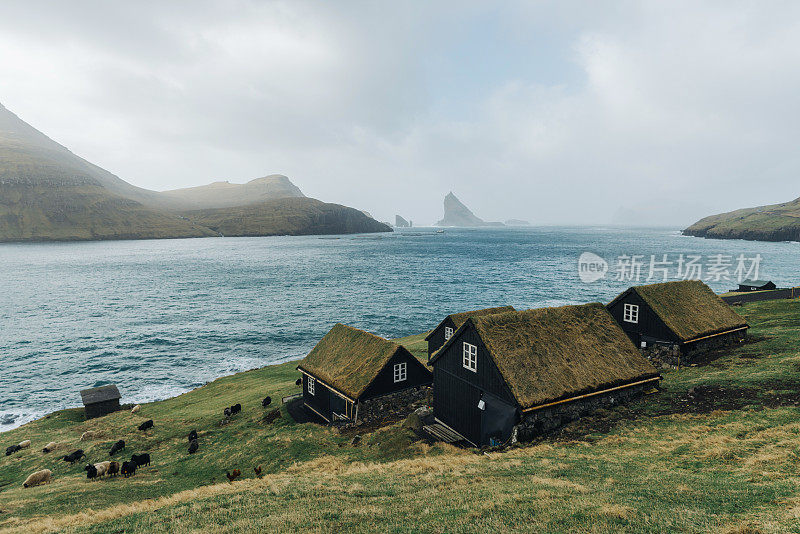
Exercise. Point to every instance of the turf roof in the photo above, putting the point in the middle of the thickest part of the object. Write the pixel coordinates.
(349, 359)
(690, 308)
(461, 318)
(550, 354)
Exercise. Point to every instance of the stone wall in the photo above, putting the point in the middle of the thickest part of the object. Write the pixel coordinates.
(545, 420)
(394, 406)
(670, 355)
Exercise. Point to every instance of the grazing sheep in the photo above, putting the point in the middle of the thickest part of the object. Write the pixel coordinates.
(193, 446)
(257, 471)
(146, 425)
(50, 447)
(89, 434)
(135, 409)
(113, 468)
(39, 477)
(103, 466)
(227, 412)
(74, 456)
(91, 472)
(12, 449)
(115, 448)
(25, 444)
(233, 476)
(128, 469)
(141, 459)
(193, 435)
(266, 402)
(236, 408)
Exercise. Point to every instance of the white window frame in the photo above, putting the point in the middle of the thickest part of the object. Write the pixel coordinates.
(631, 313)
(470, 357)
(448, 332)
(400, 372)
(310, 385)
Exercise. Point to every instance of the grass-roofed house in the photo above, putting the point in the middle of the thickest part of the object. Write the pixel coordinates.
(352, 375)
(522, 373)
(756, 285)
(674, 321)
(100, 401)
(453, 322)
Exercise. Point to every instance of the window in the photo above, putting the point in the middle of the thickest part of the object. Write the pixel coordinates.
(400, 371)
(310, 386)
(448, 333)
(631, 313)
(471, 357)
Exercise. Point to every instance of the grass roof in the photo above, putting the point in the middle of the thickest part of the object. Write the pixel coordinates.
(550, 354)
(349, 359)
(690, 308)
(461, 318)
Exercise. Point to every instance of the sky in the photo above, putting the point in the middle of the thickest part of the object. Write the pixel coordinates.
(644, 113)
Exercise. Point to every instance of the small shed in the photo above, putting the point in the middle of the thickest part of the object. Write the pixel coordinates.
(100, 401)
(686, 317)
(527, 372)
(756, 285)
(350, 374)
(453, 322)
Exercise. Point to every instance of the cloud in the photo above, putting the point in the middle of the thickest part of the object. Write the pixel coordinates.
(554, 113)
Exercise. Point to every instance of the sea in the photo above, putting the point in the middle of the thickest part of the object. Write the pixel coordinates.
(159, 318)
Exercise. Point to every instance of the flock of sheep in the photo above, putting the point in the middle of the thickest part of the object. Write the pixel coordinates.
(96, 471)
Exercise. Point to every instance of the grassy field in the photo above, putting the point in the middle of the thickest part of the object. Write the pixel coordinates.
(724, 458)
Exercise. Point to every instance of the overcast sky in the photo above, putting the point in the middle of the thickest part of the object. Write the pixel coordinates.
(555, 112)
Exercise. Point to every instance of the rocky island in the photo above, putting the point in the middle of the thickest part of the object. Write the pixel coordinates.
(778, 222)
(457, 214)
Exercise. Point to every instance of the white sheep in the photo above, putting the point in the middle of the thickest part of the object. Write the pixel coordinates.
(25, 444)
(50, 447)
(89, 434)
(135, 409)
(39, 477)
(102, 468)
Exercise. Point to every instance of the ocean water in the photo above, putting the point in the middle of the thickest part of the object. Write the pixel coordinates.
(161, 317)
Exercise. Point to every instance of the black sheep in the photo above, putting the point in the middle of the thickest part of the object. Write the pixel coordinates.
(91, 471)
(128, 469)
(74, 456)
(193, 446)
(12, 449)
(141, 459)
(118, 446)
(146, 425)
(193, 435)
(266, 402)
(236, 408)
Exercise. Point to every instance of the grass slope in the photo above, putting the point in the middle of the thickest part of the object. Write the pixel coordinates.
(723, 461)
(779, 222)
(286, 216)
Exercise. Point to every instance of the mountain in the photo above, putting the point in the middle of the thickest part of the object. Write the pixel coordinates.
(48, 193)
(457, 214)
(287, 216)
(226, 194)
(400, 222)
(778, 222)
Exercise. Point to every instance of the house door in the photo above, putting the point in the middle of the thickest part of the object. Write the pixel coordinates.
(338, 407)
(497, 419)
(455, 403)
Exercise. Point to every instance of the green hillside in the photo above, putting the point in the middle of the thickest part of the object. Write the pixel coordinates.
(286, 216)
(779, 222)
(228, 195)
(717, 450)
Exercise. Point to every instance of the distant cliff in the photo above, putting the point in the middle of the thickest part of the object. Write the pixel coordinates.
(778, 222)
(457, 214)
(400, 222)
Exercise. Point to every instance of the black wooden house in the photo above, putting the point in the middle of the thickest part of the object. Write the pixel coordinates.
(100, 401)
(521, 373)
(349, 370)
(439, 335)
(684, 315)
(756, 285)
